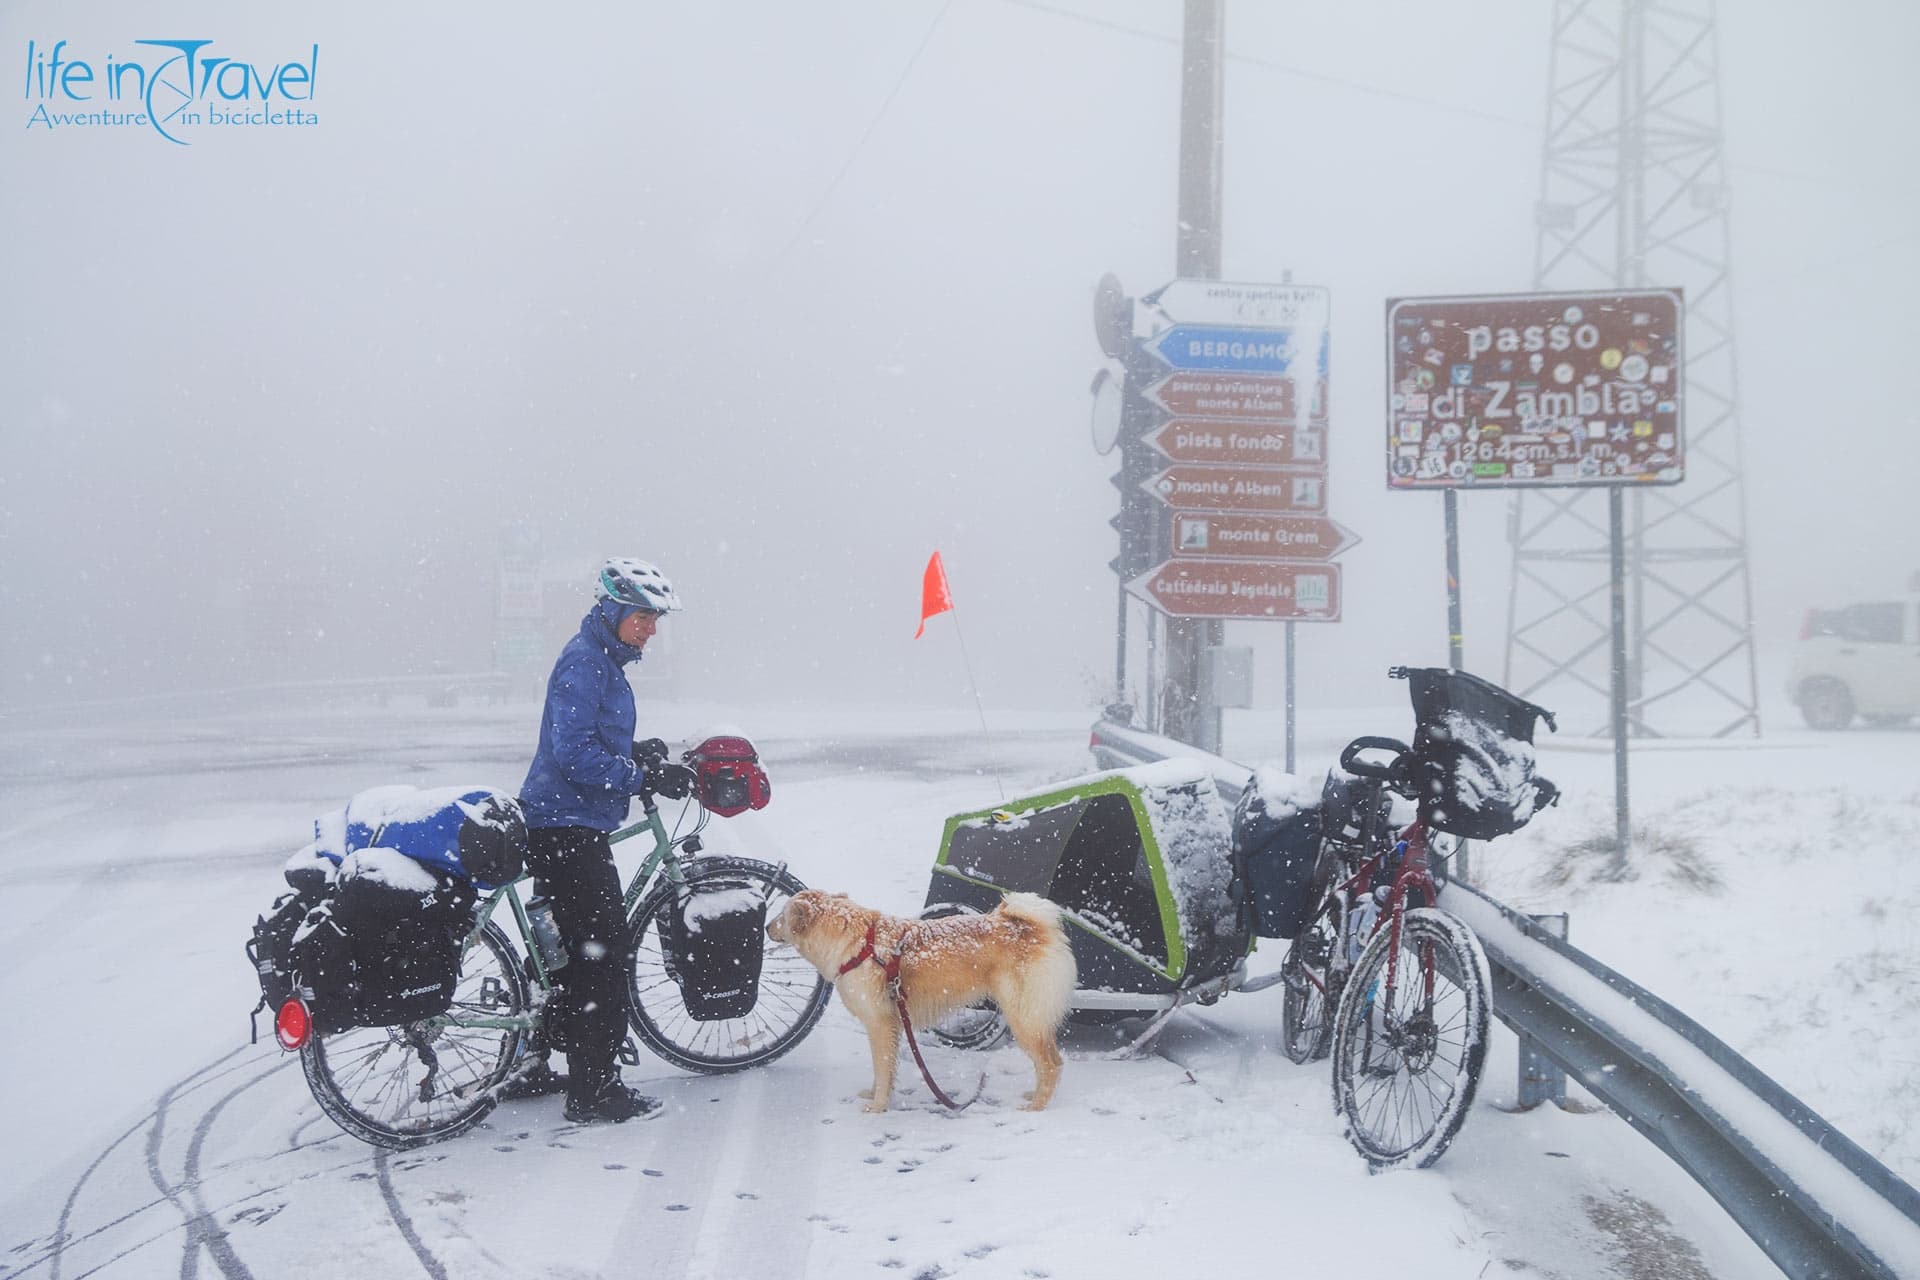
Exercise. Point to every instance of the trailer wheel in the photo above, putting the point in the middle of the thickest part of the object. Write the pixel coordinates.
(978, 1026)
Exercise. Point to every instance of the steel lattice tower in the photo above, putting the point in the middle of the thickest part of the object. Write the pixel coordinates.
(1633, 194)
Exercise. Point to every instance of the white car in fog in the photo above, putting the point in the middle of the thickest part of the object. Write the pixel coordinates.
(1863, 659)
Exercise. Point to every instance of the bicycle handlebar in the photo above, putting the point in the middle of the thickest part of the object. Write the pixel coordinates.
(1351, 762)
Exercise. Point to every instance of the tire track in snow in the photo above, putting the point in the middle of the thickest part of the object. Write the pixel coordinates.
(382, 1163)
(180, 1086)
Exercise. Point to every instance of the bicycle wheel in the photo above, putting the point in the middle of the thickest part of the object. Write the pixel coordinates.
(1309, 982)
(405, 1086)
(1406, 1062)
(791, 997)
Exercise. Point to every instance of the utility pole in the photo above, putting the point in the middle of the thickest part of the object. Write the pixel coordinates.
(1188, 712)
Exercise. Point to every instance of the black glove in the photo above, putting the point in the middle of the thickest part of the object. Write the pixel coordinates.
(650, 753)
(674, 781)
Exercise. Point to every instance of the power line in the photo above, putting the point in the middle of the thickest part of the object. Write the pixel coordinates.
(865, 134)
(1413, 99)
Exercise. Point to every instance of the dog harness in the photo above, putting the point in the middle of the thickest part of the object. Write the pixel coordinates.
(891, 968)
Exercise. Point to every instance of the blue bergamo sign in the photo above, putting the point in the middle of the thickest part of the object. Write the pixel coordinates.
(1240, 350)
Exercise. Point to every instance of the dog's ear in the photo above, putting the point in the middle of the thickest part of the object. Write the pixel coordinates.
(799, 913)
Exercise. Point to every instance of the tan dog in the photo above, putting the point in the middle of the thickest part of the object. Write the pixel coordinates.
(1016, 955)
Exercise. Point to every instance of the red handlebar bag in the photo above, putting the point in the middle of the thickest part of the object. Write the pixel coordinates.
(727, 775)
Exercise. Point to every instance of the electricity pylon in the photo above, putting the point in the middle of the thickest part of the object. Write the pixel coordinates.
(1633, 194)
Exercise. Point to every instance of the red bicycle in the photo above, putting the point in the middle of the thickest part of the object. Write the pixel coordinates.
(1407, 982)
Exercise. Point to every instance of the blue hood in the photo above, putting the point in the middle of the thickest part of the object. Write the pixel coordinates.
(601, 627)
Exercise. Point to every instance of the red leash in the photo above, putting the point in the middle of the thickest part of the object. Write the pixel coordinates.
(891, 968)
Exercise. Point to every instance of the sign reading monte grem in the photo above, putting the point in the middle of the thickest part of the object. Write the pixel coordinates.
(1512, 390)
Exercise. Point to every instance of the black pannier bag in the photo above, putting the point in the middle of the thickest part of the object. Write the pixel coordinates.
(1473, 756)
(1276, 842)
(404, 922)
(270, 949)
(323, 970)
(714, 938)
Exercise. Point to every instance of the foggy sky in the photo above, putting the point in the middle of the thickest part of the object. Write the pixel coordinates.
(784, 297)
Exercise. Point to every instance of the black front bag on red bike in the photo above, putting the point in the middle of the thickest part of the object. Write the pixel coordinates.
(1472, 763)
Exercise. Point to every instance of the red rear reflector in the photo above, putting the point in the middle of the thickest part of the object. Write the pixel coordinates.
(292, 1026)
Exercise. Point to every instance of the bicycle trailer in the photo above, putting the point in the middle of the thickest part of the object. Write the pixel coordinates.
(1140, 860)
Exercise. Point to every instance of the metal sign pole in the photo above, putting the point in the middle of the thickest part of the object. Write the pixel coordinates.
(1290, 698)
(1454, 638)
(1618, 595)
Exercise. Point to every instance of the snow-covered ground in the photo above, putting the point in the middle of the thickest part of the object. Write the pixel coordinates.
(146, 1137)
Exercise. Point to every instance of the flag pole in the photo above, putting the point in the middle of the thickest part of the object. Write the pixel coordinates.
(975, 686)
(936, 597)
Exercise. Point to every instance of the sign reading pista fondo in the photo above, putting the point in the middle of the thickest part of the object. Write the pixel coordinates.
(1539, 389)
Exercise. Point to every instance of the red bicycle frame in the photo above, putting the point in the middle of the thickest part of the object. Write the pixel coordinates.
(1409, 856)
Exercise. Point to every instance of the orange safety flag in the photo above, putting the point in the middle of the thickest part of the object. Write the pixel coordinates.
(935, 596)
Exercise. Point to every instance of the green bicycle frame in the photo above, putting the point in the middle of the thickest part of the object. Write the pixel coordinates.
(662, 856)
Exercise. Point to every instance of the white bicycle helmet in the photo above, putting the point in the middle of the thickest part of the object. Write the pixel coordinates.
(637, 583)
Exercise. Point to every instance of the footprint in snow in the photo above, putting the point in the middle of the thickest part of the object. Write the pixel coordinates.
(981, 1250)
(745, 1195)
(653, 1173)
(615, 1168)
(257, 1214)
(678, 1208)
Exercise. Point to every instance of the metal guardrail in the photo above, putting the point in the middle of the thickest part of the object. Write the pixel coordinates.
(1816, 1203)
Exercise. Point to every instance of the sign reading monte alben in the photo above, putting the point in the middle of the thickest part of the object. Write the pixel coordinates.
(1535, 389)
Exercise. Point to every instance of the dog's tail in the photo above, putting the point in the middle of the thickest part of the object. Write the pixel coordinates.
(1053, 975)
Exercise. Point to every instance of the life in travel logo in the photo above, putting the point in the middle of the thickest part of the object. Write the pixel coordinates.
(178, 89)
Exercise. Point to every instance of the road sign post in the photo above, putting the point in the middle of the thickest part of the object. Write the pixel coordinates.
(1540, 390)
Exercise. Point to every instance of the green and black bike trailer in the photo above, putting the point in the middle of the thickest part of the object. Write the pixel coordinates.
(1139, 859)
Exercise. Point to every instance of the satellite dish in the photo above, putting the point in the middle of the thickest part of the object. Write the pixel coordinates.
(1106, 411)
(1112, 316)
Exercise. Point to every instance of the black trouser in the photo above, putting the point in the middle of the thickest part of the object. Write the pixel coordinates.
(589, 1011)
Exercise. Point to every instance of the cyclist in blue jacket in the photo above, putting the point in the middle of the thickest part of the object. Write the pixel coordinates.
(585, 774)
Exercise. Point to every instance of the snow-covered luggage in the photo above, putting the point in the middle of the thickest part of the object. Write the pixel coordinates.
(404, 922)
(477, 833)
(1276, 841)
(714, 944)
(1473, 755)
(382, 902)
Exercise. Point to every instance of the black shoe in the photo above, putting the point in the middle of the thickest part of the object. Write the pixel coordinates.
(537, 1081)
(612, 1105)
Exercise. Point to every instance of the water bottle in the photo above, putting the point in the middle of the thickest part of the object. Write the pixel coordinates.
(1360, 926)
(546, 934)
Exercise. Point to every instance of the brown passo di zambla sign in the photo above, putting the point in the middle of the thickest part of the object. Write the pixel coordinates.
(1538, 389)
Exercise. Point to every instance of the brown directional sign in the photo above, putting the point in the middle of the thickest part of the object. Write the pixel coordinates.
(1539, 389)
(1206, 488)
(1211, 440)
(1232, 395)
(1218, 534)
(1280, 590)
